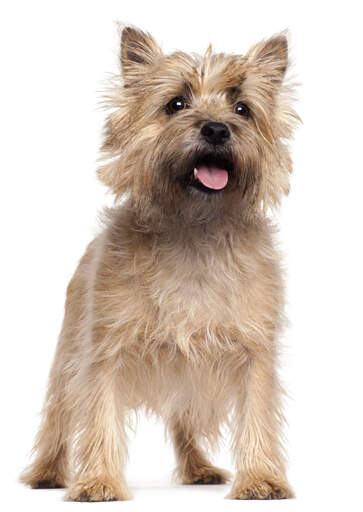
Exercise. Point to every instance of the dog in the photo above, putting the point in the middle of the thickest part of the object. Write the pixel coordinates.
(177, 305)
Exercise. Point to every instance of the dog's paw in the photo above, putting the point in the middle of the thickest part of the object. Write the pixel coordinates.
(260, 490)
(97, 490)
(208, 476)
(41, 477)
(47, 484)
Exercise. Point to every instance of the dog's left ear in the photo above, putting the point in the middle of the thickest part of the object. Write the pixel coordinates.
(266, 65)
(269, 59)
(139, 51)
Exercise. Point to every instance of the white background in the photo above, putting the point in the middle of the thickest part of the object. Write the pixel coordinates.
(55, 59)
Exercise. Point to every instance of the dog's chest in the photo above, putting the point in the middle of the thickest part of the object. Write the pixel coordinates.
(205, 297)
(213, 290)
(196, 291)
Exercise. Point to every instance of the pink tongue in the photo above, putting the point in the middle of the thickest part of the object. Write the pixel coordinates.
(212, 177)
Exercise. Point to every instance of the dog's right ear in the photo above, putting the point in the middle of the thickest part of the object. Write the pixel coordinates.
(139, 51)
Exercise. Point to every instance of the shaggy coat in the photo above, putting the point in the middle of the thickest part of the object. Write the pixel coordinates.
(177, 304)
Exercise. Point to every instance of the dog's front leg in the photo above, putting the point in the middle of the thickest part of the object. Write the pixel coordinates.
(257, 436)
(100, 437)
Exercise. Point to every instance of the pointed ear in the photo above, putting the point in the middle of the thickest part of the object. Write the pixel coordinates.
(270, 58)
(139, 50)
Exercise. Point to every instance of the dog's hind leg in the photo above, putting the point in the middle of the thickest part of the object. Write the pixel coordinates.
(192, 465)
(50, 466)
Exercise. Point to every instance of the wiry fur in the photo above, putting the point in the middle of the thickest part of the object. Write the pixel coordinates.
(177, 305)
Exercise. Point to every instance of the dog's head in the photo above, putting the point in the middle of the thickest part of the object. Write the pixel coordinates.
(197, 136)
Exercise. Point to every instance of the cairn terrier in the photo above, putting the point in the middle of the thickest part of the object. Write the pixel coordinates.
(177, 304)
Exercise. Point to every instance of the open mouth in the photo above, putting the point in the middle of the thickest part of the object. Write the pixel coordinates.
(210, 174)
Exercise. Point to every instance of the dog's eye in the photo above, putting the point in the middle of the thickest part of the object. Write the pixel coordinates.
(241, 109)
(176, 104)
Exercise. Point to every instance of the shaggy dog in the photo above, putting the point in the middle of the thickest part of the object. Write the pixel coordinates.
(177, 304)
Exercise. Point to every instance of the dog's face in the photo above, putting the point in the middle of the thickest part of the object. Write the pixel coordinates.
(198, 136)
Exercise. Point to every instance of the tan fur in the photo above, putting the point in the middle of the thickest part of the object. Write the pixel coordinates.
(177, 305)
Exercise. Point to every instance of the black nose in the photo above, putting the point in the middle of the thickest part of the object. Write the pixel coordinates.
(215, 133)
